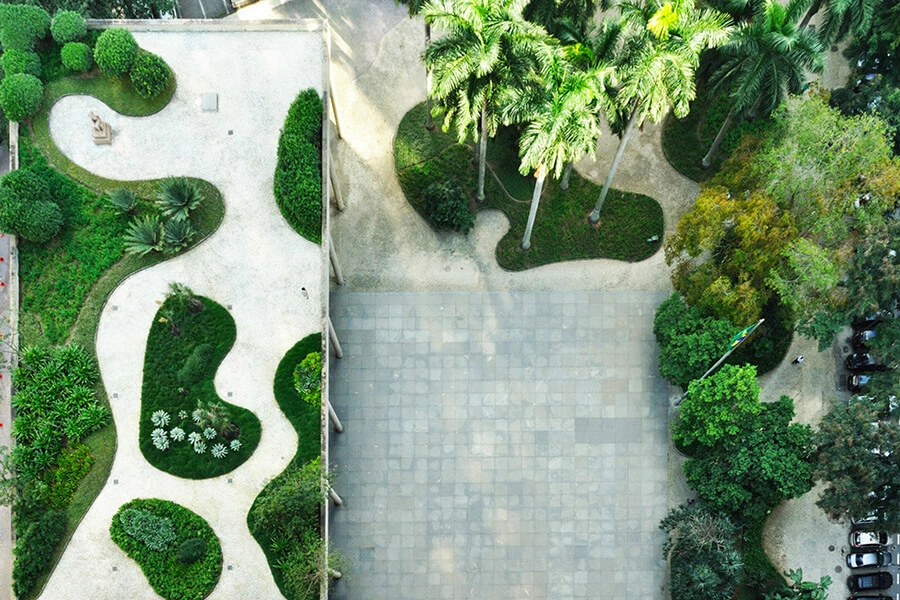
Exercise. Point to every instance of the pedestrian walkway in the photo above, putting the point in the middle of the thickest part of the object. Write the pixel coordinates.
(499, 446)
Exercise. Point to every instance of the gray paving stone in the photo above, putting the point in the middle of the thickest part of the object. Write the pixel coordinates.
(499, 445)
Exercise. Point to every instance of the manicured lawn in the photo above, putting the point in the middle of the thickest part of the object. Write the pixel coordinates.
(169, 577)
(561, 231)
(174, 335)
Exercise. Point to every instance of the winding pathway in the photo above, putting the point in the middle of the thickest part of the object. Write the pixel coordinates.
(254, 264)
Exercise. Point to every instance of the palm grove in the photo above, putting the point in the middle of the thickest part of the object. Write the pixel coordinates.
(792, 224)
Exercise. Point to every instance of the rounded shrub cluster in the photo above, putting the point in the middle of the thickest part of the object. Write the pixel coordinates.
(191, 550)
(21, 96)
(77, 56)
(115, 51)
(26, 208)
(67, 26)
(21, 61)
(447, 207)
(150, 74)
(22, 25)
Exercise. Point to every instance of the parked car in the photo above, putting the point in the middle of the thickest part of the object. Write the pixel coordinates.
(857, 597)
(863, 361)
(856, 382)
(862, 338)
(870, 581)
(869, 321)
(859, 539)
(856, 560)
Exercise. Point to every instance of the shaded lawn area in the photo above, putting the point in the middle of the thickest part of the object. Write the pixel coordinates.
(561, 231)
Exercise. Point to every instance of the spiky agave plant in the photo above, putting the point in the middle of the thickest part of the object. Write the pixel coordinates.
(177, 235)
(143, 235)
(177, 197)
(123, 200)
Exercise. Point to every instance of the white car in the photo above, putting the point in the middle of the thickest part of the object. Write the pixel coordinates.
(856, 560)
(868, 538)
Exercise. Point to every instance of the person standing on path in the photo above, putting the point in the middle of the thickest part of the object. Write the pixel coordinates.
(798, 360)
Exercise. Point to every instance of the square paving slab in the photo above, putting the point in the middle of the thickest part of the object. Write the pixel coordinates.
(499, 446)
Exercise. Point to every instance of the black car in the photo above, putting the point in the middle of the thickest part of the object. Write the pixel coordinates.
(863, 361)
(857, 597)
(870, 581)
(862, 338)
(856, 382)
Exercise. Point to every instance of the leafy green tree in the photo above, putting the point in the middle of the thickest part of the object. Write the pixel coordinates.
(856, 460)
(488, 48)
(150, 74)
(843, 17)
(720, 406)
(765, 58)
(560, 17)
(21, 96)
(689, 343)
(701, 549)
(808, 277)
(801, 590)
(750, 472)
(115, 51)
(660, 56)
(875, 49)
(20, 61)
(22, 25)
(67, 26)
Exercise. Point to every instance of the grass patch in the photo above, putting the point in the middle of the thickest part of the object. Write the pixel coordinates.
(175, 333)
(167, 575)
(561, 231)
(304, 417)
(116, 92)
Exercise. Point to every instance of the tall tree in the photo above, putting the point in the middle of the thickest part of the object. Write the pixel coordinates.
(562, 123)
(659, 59)
(843, 17)
(764, 59)
(488, 47)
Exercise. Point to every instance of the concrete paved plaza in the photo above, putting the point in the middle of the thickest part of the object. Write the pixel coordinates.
(499, 445)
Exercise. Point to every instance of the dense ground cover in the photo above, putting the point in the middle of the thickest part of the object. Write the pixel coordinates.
(187, 341)
(631, 225)
(175, 547)
(293, 545)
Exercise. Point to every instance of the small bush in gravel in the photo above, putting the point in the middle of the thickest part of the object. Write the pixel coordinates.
(77, 57)
(67, 26)
(150, 74)
(115, 51)
(447, 207)
(20, 61)
(21, 96)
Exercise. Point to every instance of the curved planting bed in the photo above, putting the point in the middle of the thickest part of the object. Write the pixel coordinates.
(175, 547)
(186, 429)
(631, 225)
(284, 518)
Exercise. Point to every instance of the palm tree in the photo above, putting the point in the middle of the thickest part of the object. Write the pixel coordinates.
(842, 17)
(415, 7)
(562, 127)
(765, 59)
(660, 56)
(488, 48)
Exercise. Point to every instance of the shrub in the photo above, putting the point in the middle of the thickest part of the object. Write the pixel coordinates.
(308, 378)
(156, 533)
(191, 550)
(67, 26)
(21, 96)
(177, 197)
(63, 479)
(197, 365)
(25, 207)
(123, 200)
(447, 207)
(150, 74)
(298, 178)
(77, 57)
(21, 26)
(115, 51)
(34, 549)
(20, 61)
(143, 235)
(169, 576)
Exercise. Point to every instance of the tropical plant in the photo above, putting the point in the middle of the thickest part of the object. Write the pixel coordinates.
(661, 53)
(160, 418)
(801, 590)
(115, 51)
(177, 235)
(21, 96)
(150, 74)
(177, 197)
(843, 17)
(67, 26)
(20, 61)
(219, 451)
(77, 56)
(308, 378)
(487, 48)
(143, 235)
(123, 200)
(160, 439)
(765, 58)
(177, 434)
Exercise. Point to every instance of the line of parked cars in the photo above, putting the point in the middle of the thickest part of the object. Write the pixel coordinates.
(862, 362)
(868, 550)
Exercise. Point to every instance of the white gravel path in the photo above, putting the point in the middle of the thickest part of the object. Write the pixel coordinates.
(254, 262)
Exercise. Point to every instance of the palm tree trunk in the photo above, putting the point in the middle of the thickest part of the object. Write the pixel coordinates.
(707, 160)
(482, 153)
(540, 174)
(429, 121)
(809, 14)
(567, 172)
(594, 217)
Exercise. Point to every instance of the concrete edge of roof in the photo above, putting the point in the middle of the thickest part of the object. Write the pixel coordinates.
(299, 25)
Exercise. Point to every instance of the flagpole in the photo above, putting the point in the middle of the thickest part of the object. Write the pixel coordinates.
(734, 346)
